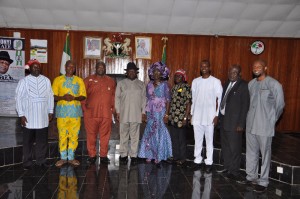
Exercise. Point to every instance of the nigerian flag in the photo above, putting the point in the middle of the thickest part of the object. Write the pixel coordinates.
(66, 55)
(164, 54)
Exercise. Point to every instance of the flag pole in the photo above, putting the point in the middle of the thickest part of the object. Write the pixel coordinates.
(164, 52)
(66, 54)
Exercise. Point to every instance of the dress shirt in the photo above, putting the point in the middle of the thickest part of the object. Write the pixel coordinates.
(34, 100)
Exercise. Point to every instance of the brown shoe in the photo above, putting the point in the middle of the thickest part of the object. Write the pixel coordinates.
(74, 162)
(61, 162)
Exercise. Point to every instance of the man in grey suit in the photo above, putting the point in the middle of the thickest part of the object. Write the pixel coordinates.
(266, 106)
(233, 112)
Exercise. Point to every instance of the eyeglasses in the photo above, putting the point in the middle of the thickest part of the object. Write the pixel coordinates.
(3, 62)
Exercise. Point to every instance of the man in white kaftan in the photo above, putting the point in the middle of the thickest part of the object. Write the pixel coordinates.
(34, 104)
(206, 96)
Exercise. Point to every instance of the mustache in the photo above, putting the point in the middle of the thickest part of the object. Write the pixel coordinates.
(256, 75)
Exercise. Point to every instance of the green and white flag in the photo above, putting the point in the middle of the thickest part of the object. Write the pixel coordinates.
(164, 54)
(66, 55)
(164, 51)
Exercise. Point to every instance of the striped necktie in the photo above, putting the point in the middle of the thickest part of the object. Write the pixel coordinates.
(225, 96)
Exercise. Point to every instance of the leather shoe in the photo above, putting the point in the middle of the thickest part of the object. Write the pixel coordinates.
(245, 181)
(45, 165)
(259, 188)
(104, 160)
(26, 168)
(194, 166)
(233, 177)
(91, 160)
(123, 160)
(222, 171)
(208, 168)
(170, 160)
(133, 160)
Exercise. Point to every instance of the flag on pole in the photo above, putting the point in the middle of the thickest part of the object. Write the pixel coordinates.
(164, 52)
(66, 55)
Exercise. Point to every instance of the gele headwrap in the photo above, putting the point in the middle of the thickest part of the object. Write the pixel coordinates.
(181, 72)
(164, 70)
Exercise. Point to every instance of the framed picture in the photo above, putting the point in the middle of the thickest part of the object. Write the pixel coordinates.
(92, 47)
(143, 46)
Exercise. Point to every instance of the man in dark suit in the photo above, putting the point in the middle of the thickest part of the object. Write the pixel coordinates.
(233, 112)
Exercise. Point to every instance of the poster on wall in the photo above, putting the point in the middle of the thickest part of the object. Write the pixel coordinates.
(38, 50)
(12, 61)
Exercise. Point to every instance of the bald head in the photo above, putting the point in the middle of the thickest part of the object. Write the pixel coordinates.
(234, 72)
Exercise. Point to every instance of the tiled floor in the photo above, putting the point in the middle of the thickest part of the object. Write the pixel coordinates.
(113, 181)
(119, 181)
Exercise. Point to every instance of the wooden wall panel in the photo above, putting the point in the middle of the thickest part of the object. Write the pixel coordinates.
(187, 51)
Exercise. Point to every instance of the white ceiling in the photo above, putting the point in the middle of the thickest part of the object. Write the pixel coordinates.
(268, 18)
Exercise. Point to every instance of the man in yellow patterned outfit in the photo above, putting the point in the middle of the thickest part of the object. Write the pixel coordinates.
(68, 91)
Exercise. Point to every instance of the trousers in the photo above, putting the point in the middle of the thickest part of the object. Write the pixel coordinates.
(178, 138)
(131, 129)
(68, 130)
(40, 137)
(94, 127)
(256, 144)
(201, 131)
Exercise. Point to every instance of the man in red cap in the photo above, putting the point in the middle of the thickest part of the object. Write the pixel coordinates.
(179, 112)
(34, 104)
(5, 61)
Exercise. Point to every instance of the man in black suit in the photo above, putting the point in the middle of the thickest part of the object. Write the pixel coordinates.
(233, 112)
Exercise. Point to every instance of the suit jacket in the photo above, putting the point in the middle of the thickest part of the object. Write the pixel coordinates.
(237, 105)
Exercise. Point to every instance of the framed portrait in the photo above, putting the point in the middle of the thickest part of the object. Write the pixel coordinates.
(143, 46)
(92, 47)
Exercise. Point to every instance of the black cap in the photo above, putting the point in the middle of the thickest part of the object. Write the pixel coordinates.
(130, 66)
(5, 56)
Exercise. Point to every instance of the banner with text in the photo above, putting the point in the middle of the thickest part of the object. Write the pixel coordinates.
(12, 61)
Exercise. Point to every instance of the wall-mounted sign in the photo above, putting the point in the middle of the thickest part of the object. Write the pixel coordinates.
(257, 47)
(116, 47)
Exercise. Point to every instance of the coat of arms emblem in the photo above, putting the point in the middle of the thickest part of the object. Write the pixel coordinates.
(116, 47)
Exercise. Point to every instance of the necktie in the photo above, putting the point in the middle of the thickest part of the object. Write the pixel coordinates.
(226, 94)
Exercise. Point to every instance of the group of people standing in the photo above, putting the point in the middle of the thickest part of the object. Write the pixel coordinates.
(239, 107)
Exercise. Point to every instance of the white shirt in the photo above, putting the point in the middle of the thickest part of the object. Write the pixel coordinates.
(230, 85)
(34, 100)
(205, 92)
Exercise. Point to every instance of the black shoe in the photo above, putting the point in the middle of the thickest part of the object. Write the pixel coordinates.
(223, 171)
(259, 188)
(133, 160)
(26, 168)
(91, 160)
(170, 160)
(45, 165)
(181, 163)
(158, 165)
(194, 166)
(233, 177)
(123, 160)
(104, 160)
(140, 160)
(246, 181)
(208, 168)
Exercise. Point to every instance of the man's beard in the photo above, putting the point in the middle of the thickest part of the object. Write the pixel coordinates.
(257, 75)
